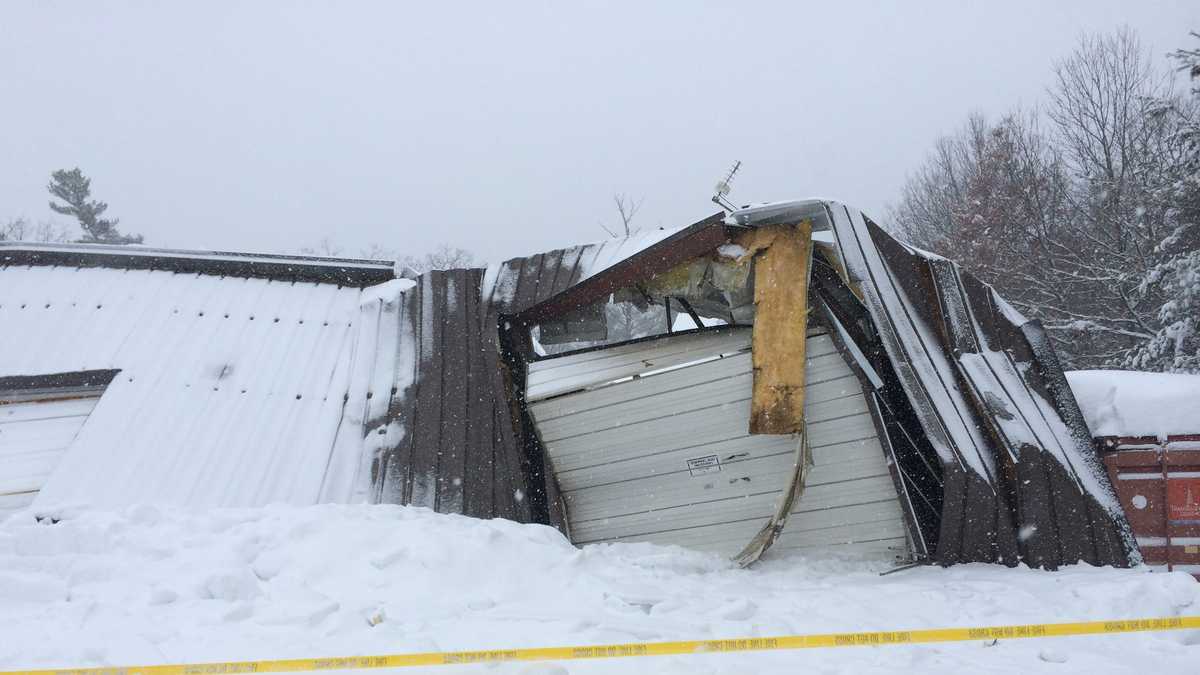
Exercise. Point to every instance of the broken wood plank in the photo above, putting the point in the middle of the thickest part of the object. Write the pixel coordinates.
(782, 255)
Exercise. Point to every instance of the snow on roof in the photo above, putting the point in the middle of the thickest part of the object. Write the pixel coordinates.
(612, 251)
(562, 268)
(231, 391)
(348, 271)
(1131, 403)
(773, 213)
(138, 251)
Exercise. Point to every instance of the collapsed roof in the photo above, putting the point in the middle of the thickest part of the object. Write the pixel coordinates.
(372, 388)
(992, 457)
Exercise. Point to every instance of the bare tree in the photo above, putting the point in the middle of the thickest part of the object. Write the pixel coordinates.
(992, 197)
(326, 248)
(20, 229)
(935, 195)
(626, 318)
(1068, 219)
(1117, 152)
(444, 257)
(377, 251)
(627, 209)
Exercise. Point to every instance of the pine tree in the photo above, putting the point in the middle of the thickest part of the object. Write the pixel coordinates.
(1175, 347)
(75, 189)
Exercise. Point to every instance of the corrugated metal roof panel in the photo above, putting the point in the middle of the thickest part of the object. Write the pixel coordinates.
(454, 443)
(231, 391)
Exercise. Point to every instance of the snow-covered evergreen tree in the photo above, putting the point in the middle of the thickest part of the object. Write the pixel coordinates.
(1175, 346)
(75, 190)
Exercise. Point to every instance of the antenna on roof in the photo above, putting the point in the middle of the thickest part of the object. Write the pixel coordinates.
(723, 188)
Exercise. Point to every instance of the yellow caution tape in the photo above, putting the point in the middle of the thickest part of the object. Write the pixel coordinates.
(860, 639)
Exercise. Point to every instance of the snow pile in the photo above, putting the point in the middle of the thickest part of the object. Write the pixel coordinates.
(1130, 403)
(148, 585)
(389, 291)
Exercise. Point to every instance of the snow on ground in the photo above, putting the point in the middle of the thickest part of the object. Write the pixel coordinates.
(154, 585)
(1131, 403)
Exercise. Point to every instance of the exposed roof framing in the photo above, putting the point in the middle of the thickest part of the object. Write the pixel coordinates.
(694, 240)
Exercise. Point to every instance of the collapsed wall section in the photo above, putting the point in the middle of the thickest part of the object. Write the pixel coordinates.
(1020, 478)
(454, 436)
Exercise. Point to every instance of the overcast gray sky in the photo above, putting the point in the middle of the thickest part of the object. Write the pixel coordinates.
(501, 127)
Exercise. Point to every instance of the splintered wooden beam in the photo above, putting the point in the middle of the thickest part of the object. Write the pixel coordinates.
(782, 254)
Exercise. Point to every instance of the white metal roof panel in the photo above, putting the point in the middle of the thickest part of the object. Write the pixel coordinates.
(232, 391)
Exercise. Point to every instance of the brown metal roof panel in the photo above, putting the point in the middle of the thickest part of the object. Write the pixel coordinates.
(527, 283)
(552, 263)
(427, 423)
(461, 293)
(995, 422)
(627, 262)
(515, 285)
(478, 470)
(458, 450)
(570, 268)
(391, 474)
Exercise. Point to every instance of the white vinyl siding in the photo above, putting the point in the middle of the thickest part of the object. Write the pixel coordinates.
(33, 437)
(649, 442)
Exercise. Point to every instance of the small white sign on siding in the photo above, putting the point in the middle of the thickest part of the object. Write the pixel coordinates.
(707, 464)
